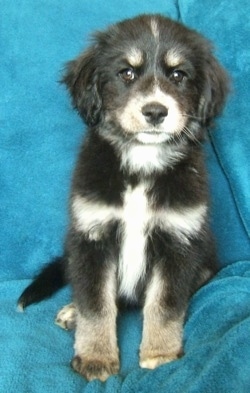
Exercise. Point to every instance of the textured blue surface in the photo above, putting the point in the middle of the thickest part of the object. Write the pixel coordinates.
(39, 140)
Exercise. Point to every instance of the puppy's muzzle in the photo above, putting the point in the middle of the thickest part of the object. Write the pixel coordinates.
(154, 113)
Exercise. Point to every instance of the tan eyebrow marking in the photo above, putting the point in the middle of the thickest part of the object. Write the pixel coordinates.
(135, 57)
(173, 58)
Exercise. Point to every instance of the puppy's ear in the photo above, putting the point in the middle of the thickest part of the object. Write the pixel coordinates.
(82, 80)
(215, 91)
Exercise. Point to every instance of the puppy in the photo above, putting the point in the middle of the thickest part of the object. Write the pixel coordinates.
(148, 88)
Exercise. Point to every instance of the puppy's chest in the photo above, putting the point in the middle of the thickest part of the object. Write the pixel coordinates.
(135, 219)
(135, 222)
(95, 218)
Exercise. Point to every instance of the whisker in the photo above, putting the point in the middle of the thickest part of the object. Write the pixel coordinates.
(192, 116)
(191, 135)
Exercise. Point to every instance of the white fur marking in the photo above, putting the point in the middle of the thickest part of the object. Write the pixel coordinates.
(132, 259)
(152, 138)
(183, 222)
(137, 220)
(91, 217)
(154, 29)
(142, 157)
(149, 157)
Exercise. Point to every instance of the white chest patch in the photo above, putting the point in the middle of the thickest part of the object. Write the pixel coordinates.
(143, 158)
(132, 264)
(137, 220)
(148, 158)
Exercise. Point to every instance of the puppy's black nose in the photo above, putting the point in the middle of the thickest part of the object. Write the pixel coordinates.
(154, 113)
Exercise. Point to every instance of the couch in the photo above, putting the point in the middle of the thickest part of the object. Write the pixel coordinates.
(39, 140)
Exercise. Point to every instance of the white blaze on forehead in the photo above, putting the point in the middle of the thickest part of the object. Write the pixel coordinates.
(135, 57)
(154, 28)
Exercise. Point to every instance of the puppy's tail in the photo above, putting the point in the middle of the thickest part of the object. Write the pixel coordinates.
(49, 280)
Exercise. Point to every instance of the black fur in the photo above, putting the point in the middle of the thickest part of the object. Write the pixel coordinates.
(100, 91)
(50, 279)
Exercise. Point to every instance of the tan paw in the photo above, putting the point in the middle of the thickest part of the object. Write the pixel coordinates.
(95, 368)
(66, 317)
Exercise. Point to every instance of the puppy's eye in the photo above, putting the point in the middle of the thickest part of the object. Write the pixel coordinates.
(127, 75)
(177, 76)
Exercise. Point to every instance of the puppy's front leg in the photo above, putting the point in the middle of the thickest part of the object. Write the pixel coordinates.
(93, 277)
(162, 327)
(96, 351)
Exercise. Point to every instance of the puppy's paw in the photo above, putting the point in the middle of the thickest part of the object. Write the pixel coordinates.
(152, 361)
(95, 368)
(66, 317)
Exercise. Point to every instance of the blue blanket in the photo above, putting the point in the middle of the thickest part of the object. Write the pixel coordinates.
(39, 140)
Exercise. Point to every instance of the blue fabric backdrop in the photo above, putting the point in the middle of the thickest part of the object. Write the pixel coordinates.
(39, 140)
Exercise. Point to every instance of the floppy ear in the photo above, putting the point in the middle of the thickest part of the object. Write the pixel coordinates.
(215, 91)
(82, 80)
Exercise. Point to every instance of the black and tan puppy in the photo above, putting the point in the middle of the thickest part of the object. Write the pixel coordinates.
(147, 88)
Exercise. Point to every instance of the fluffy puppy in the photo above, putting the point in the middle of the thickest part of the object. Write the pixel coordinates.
(148, 88)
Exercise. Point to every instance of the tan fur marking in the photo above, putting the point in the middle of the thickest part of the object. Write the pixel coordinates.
(66, 317)
(135, 57)
(132, 119)
(162, 338)
(96, 350)
(173, 58)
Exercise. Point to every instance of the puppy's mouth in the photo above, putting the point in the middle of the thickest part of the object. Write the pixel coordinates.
(152, 137)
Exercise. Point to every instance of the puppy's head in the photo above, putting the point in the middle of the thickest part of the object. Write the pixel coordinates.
(148, 79)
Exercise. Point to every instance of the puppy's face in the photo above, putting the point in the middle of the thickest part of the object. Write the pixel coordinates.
(148, 80)
(146, 97)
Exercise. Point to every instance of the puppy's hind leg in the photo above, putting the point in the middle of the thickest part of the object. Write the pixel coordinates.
(66, 317)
